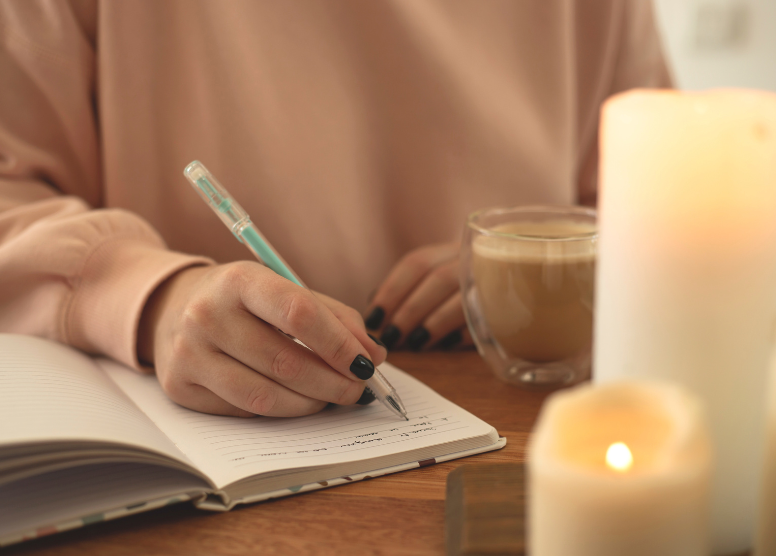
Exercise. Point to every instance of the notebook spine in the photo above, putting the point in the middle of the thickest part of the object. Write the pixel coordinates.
(97, 518)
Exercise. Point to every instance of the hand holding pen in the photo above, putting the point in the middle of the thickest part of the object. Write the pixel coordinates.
(239, 223)
(210, 332)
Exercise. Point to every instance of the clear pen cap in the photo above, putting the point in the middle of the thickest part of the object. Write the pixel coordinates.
(214, 194)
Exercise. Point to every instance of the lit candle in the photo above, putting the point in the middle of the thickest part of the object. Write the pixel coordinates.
(686, 284)
(619, 457)
(619, 469)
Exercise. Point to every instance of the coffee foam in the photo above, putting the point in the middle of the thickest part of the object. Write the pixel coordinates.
(524, 242)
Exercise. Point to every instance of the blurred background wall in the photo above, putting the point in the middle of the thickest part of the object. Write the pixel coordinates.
(720, 43)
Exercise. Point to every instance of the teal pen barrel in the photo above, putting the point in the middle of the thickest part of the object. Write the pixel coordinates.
(266, 254)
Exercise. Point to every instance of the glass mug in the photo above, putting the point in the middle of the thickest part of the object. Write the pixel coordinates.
(527, 278)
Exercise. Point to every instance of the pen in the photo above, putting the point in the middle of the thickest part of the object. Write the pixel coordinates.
(238, 221)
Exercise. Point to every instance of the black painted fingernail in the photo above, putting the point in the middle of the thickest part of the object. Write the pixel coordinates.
(390, 336)
(375, 318)
(366, 398)
(362, 367)
(451, 340)
(375, 340)
(417, 338)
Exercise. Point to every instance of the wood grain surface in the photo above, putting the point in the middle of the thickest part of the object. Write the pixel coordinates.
(402, 513)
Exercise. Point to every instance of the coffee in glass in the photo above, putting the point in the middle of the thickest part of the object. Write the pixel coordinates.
(528, 280)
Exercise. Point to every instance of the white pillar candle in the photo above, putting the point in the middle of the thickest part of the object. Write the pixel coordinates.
(619, 469)
(686, 284)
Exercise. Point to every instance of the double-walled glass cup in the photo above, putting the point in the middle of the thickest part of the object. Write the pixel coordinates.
(527, 278)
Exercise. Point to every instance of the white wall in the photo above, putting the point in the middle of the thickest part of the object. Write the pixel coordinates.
(720, 43)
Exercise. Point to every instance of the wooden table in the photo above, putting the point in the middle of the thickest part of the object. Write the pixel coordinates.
(396, 514)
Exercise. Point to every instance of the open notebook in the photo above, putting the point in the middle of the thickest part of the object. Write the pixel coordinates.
(84, 440)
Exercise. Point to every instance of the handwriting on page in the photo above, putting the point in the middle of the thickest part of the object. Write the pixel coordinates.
(231, 448)
(337, 430)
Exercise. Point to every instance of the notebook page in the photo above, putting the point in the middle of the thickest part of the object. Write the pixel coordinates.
(50, 392)
(228, 449)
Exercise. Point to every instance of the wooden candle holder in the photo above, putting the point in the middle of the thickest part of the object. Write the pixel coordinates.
(485, 510)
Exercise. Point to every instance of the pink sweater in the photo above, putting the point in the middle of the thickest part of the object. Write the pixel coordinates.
(351, 131)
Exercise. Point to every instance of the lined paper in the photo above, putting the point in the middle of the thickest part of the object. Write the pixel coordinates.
(228, 449)
(50, 392)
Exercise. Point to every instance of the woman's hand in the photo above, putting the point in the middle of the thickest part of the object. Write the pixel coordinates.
(210, 333)
(419, 303)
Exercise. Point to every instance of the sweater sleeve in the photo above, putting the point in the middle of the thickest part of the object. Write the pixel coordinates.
(68, 271)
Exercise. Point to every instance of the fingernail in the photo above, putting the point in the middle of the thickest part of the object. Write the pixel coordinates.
(417, 338)
(366, 398)
(390, 336)
(451, 340)
(375, 340)
(375, 318)
(362, 367)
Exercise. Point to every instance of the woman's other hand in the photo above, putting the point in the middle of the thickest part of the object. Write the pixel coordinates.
(419, 304)
(211, 334)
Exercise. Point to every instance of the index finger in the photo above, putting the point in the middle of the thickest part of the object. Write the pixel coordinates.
(296, 311)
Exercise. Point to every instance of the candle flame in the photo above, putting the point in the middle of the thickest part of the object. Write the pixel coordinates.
(619, 457)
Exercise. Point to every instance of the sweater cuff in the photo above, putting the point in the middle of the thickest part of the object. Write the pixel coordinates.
(113, 287)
